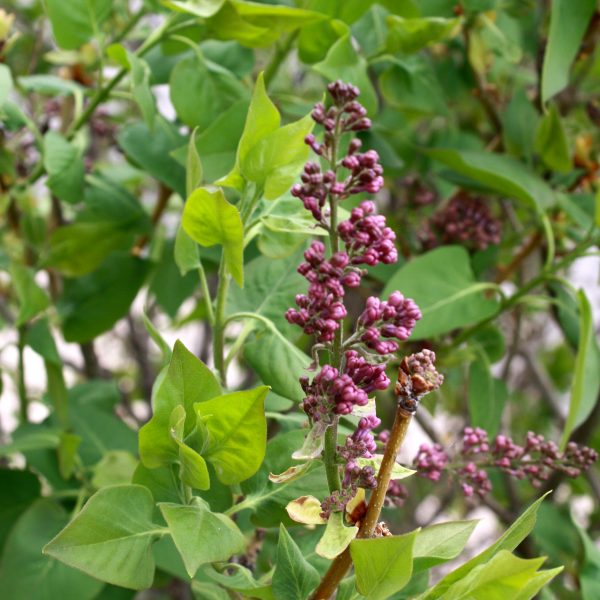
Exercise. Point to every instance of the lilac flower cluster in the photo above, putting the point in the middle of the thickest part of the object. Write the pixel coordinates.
(367, 238)
(321, 310)
(430, 461)
(536, 460)
(344, 384)
(395, 318)
(396, 494)
(331, 393)
(464, 220)
(417, 193)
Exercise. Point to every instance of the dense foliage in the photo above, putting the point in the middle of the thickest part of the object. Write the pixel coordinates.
(291, 294)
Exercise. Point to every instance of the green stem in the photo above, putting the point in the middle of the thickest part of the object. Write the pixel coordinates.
(220, 323)
(330, 447)
(547, 273)
(206, 295)
(24, 402)
(238, 344)
(280, 54)
(247, 207)
(332, 469)
(187, 494)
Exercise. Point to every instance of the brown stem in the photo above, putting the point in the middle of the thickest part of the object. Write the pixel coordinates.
(505, 272)
(164, 193)
(342, 563)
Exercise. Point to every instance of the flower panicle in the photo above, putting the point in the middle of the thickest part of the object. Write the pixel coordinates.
(535, 460)
(357, 369)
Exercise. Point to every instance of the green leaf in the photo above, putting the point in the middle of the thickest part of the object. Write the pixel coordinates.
(276, 160)
(194, 471)
(151, 151)
(336, 537)
(209, 219)
(110, 221)
(217, 144)
(64, 165)
(315, 40)
(39, 339)
(241, 580)
(193, 165)
(509, 540)
(589, 573)
(499, 173)
(383, 566)
(18, 490)
(294, 577)
(40, 438)
(442, 284)
(343, 62)
(200, 535)
(93, 303)
(262, 119)
(487, 396)
(257, 25)
(111, 538)
(519, 121)
(568, 23)
(201, 90)
(441, 542)
(50, 85)
(267, 499)
(208, 591)
(32, 299)
(411, 35)
(186, 253)
(93, 419)
(140, 87)
(162, 482)
(277, 362)
(412, 86)
(504, 576)
(586, 378)
(551, 142)
(6, 83)
(75, 22)
(26, 573)
(269, 290)
(80, 248)
(200, 8)
(398, 471)
(237, 433)
(67, 452)
(115, 468)
(187, 381)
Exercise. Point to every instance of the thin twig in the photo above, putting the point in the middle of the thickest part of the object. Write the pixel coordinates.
(339, 567)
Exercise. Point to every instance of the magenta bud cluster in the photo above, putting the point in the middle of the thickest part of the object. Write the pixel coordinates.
(465, 220)
(321, 310)
(396, 494)
(333, 393)
(367, 238)
(383, 320)
(535, 461)
(431, 461)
